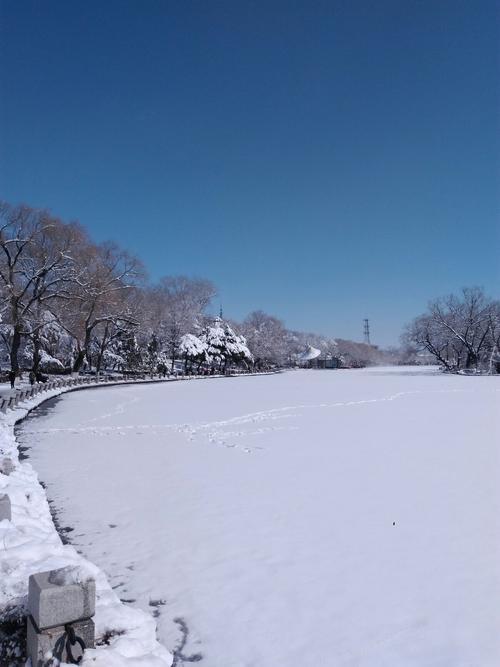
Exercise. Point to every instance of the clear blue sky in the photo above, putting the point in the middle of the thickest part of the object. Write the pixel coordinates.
(324, 161)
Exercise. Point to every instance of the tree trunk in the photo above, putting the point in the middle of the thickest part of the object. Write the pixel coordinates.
(14, 350)
(174, 352)
(471, 360)
(102, 349)
(83, 352)
(494, 352)
(36, 352)
(80, 358)
(88, 357)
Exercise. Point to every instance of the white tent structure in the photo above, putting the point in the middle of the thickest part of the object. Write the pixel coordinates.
(314, 358)
(309, 354)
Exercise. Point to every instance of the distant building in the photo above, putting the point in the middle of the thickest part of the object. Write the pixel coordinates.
(314, 358)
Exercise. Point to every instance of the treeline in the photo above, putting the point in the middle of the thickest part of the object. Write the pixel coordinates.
(461, 332)
(68, 304)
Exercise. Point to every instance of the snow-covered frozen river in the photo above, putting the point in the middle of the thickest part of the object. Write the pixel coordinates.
(312, 518)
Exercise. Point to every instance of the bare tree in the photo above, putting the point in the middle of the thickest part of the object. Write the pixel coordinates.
(266, 338)
(459, 331)
(36, 264)
(180, 306)
(105, 278)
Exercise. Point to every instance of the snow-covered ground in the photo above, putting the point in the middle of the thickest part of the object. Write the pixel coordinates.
(29, 543)
(316, 518)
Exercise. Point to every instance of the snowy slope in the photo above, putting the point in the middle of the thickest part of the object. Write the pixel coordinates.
(318, 518)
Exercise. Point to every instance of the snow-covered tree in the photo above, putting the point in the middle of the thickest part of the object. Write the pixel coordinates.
(178, 305)
(224, 346)
(266, 338)
(100, 298)
(36, 267)
(459, 331)
(193, 350)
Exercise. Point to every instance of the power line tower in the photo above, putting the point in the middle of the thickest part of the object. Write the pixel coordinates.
(367, 331)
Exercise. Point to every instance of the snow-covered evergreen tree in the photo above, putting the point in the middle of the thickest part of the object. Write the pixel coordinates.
(224, 346)
(194, 351)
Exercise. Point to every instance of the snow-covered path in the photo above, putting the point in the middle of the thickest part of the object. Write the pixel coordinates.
(317, 518)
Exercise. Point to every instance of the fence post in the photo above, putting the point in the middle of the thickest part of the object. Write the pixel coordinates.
(60, 616)
(5, 507)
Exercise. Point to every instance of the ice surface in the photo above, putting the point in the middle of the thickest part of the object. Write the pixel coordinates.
(317, 518)
(29, 544)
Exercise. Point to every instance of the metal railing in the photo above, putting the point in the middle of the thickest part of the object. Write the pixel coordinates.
(26, 393)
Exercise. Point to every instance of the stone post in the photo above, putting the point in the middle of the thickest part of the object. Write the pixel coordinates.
(6, 466)
(5, 507)
(60, 621)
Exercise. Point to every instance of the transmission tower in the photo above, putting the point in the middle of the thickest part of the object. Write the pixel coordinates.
(367, 332)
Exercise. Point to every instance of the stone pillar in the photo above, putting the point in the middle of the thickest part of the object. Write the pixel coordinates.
(60, 616)
(5, 507)
(6, 465)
